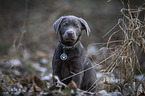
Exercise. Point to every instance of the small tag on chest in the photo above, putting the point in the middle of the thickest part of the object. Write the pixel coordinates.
(63, 56)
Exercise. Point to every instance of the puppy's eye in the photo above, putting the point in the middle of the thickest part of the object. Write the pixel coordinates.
(65, 25)
(76, 26)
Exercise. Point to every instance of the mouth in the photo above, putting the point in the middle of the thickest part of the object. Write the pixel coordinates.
(69, 40)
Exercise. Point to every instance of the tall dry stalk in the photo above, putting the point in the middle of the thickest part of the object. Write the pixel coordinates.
(125, 61)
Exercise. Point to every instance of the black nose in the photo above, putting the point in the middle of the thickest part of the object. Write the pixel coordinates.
(70, 33)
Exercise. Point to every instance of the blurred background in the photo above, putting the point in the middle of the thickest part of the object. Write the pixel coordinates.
(35, 19)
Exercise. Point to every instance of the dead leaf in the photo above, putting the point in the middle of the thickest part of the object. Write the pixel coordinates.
(72, 85)
(39, 82)
(37, 89)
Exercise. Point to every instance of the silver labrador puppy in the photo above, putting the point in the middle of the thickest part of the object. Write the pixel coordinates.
(69, 57)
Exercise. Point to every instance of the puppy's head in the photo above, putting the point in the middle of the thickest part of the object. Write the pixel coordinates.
(70, 28)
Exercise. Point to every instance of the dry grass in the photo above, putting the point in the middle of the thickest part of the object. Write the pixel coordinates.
(125, 61)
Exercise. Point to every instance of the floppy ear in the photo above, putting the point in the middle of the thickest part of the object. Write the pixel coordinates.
(57, 24)
(85, 25)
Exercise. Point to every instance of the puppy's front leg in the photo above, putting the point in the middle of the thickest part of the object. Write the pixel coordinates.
(78, 80)
(56, 65)
(78, 77)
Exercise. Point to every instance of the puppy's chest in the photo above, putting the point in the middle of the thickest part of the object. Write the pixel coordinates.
(72, 62)
(66, 69)
(69, 67)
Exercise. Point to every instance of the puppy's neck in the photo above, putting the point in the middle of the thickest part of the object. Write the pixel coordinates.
(65, 47)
